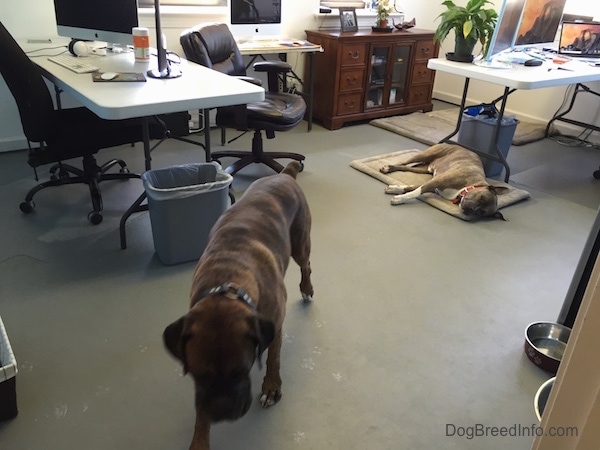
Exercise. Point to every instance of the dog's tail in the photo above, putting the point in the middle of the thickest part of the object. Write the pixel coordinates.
(292, 169)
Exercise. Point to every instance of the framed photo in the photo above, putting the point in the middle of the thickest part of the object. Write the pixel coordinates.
(348, 19)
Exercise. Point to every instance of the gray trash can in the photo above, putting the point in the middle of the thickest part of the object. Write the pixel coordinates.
(477, 131)
(184, 203)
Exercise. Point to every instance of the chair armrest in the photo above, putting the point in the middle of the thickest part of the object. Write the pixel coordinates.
(272, 66)
(253, 80)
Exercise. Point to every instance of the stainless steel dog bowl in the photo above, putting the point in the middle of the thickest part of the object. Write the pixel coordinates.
(545, 344)
(541, 397)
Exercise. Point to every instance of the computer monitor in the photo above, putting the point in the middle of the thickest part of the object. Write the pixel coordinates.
(505, 32)
(255, 18)
(110, 21)
(540, 22)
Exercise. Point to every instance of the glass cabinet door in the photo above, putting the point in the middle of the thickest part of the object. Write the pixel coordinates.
(378, 73)
(388, 74)
(399, 67)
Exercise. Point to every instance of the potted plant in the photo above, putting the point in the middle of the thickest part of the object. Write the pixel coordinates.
(471, 23)
(383, 8)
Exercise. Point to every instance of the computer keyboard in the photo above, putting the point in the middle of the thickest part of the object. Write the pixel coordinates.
(73, 63)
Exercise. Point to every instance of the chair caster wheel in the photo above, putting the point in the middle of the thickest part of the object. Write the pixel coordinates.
(95, 217)
(124, 170)
(597, 174)
(301, 166)
(27, 207)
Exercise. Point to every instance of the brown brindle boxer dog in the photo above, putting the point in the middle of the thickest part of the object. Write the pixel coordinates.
(458, 175)
(238, 299)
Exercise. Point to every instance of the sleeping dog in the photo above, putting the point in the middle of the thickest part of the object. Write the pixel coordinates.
(458, 176)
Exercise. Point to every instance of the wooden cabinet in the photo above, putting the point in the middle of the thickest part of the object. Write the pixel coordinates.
(364, 75)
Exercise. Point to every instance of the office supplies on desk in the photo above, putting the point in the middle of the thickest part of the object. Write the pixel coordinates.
(73, 63)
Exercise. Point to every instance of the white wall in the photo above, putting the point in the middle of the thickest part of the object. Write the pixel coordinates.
(35, 19)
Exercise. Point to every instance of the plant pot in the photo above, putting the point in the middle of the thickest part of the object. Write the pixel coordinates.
(383, 23)
(463, 48)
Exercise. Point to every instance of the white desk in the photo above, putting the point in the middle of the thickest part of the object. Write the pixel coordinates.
(197, 88)
(282, 47)
(517, 77)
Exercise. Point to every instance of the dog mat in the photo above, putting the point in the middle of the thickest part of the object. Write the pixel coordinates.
(430, 128)
(371, 167)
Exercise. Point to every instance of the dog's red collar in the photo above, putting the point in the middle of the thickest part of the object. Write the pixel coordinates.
(231, 291)
(464, 192)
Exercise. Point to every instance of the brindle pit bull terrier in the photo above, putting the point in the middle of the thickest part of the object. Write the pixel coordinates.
(238, 299)
(458, 175)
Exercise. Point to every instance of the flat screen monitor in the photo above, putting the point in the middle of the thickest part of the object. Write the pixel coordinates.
(540, 22)
(255, 18)
(505, 32)
(97, 20)
(580, 39)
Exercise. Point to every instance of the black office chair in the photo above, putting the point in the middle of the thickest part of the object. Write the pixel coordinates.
(57, 135)
(213, 46)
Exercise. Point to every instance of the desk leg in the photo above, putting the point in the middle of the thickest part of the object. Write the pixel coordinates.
(311, 85)
(579, 88)
(137, 205)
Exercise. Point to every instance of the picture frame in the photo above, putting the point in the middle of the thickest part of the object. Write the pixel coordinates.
(348, 19)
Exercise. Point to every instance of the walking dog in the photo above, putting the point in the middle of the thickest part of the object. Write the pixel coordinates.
(238, 300)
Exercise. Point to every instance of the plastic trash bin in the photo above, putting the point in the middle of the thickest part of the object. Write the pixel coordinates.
(8, 378)
(184, 203)
(477, 131)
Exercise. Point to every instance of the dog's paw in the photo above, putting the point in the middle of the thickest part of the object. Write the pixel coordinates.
(397, 200)
(394, 189)
(307, 298)
(270, 398)
(385, 169)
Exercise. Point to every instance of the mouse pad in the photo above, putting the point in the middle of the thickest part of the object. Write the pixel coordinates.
(122, 76)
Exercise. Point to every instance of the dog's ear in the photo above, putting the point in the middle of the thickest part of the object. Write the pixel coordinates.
(499, 190)
(174, 339)
(498, 215)
(265, 331)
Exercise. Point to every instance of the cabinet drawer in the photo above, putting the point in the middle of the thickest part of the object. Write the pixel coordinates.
(353, 54)
(421, 74)
(351, 79)
(424, 50)
(420, 93)
(349, 104)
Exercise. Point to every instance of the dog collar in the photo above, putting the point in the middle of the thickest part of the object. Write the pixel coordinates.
(464, 192)
(231, 291)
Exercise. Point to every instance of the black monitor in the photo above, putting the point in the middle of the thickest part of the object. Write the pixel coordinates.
(255, 18)
(110, 21)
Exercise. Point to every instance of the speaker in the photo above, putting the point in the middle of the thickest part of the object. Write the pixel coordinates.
(79, 48)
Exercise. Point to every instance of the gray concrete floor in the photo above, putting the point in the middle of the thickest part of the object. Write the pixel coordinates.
(416, 329)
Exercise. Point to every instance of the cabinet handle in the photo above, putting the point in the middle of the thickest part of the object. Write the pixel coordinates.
(354, 55)
(351, 80)
(349, 103)
(425, 50)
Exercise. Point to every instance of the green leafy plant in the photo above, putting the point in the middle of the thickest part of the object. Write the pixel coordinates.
(474, 22)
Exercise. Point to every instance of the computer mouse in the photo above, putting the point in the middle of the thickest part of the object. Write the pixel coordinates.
(533, 62)
(109, 75)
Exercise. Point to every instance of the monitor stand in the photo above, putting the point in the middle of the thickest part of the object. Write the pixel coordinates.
(492, 64)
(164, 70)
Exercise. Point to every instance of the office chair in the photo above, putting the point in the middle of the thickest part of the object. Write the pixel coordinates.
(213, 46)
(56, 135)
